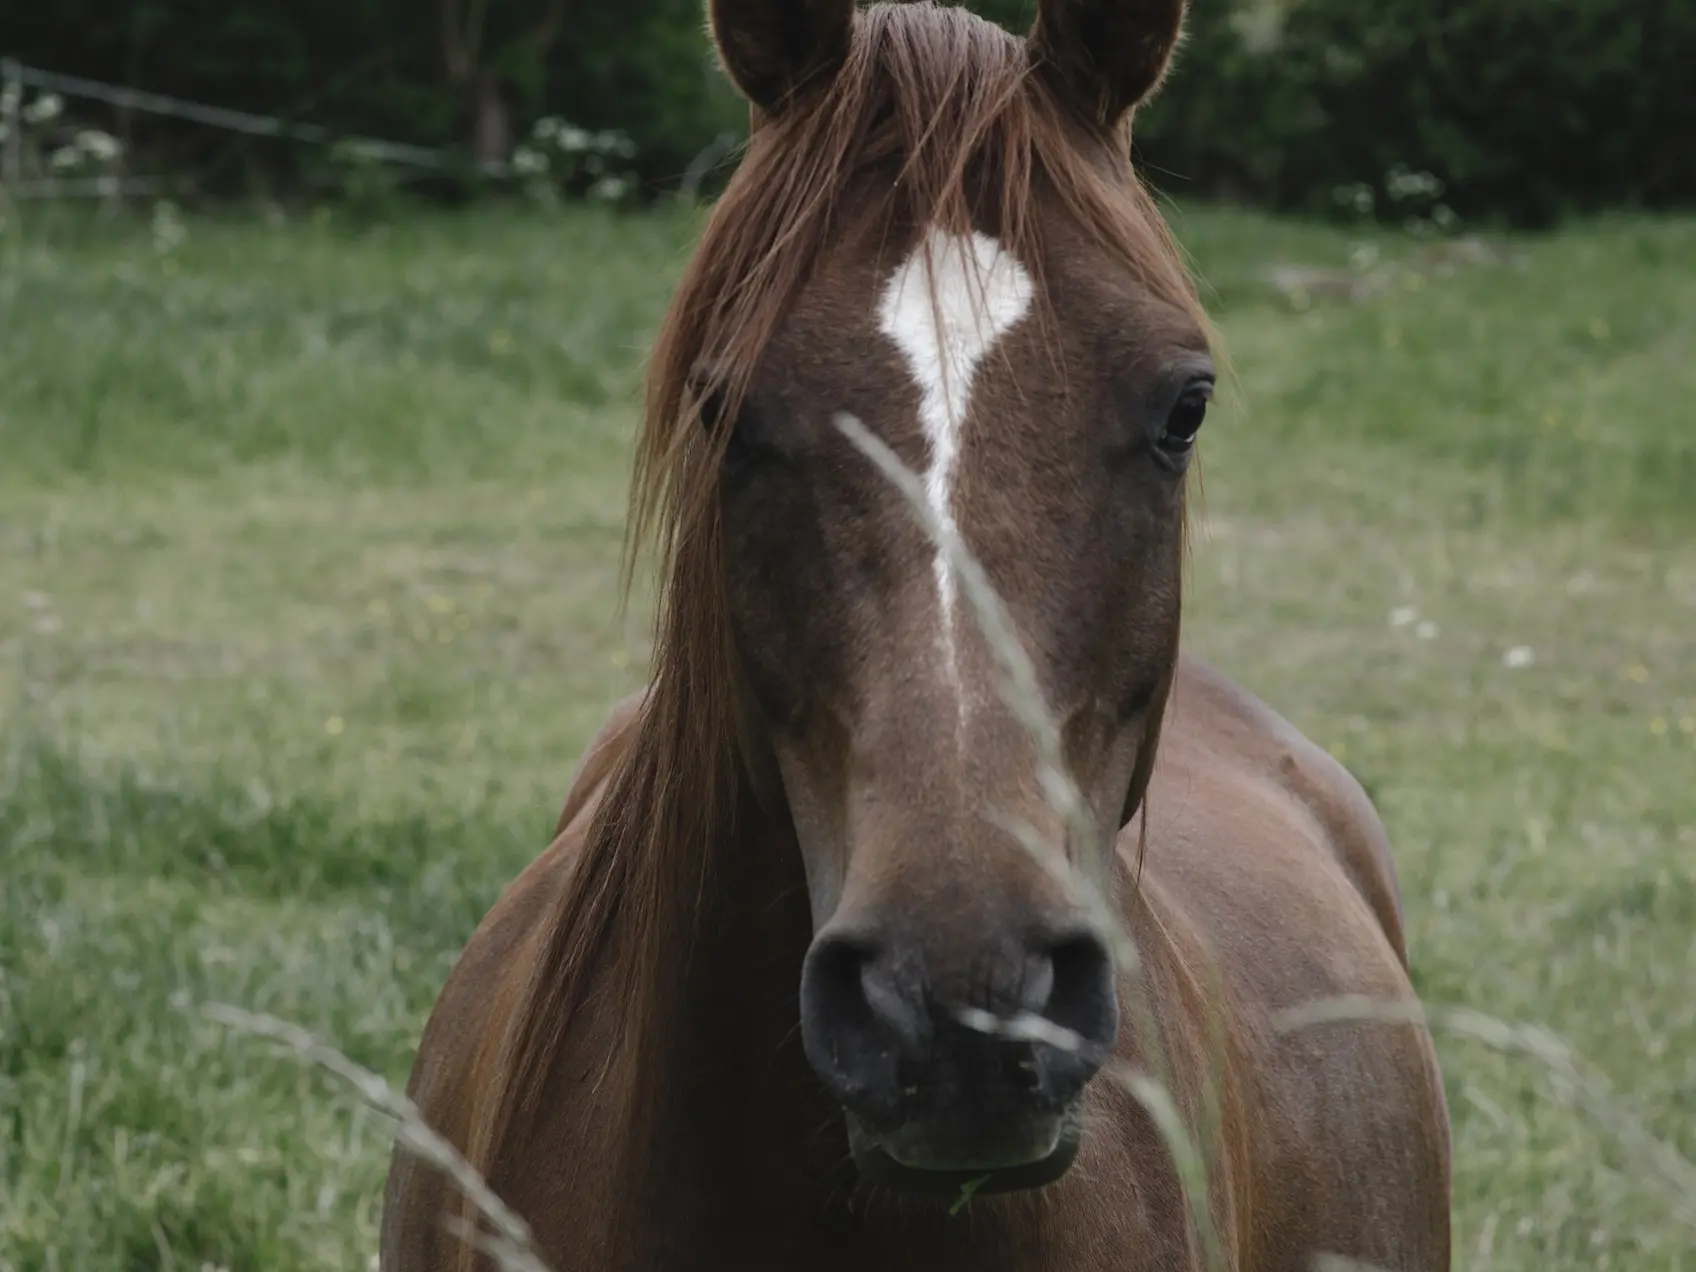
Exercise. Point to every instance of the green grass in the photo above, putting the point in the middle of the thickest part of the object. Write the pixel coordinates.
(308, 548)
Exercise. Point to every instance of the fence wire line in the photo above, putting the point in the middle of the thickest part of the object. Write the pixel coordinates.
(225, 118)
(13, 72)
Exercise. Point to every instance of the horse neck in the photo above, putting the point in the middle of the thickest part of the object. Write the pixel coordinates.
(752, 926)
(720, 1061)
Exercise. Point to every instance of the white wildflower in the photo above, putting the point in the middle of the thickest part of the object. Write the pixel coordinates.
(44, 109)
(100, 146)
(529, 162)
(1357, 195)
(169, 232)
(1403, 615)
(1401, 182)
(612, 142)
(610, 188)
(1519, 656)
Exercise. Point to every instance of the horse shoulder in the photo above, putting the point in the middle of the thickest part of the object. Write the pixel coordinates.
(599, 759)
(1352, 831)
(1263, 847)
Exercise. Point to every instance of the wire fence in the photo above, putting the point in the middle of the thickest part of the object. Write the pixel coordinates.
(15, 78)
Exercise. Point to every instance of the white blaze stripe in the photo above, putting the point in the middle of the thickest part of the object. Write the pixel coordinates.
(945, 308)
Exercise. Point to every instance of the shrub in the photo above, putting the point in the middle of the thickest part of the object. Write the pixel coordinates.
(1511, 109)
(378, 68)
(1514, 109)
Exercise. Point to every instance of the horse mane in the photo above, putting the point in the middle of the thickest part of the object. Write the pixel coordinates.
(954, 105)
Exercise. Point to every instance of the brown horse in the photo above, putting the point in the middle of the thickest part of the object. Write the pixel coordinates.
(936, 231)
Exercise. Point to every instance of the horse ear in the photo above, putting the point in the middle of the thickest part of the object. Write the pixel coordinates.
(770, 48)
(1105, 56)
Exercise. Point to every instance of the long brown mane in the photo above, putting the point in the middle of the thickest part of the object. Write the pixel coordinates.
(957, 107)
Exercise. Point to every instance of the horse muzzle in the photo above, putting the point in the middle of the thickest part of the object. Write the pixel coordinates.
(965, 1083)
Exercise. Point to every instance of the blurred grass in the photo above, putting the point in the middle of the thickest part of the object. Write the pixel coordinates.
(308, 544)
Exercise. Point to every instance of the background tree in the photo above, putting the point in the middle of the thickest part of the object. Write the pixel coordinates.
(484, 85)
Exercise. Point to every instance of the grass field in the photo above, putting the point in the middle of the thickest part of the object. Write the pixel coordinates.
(308, 545)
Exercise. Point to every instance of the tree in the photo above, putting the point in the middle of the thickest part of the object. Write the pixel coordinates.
(484, 80)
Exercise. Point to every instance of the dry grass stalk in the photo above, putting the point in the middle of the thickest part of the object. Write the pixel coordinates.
(509, 1242)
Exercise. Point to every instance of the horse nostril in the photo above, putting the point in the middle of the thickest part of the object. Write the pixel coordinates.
(858, 1020)
(1019, 1061)
(1082, 998)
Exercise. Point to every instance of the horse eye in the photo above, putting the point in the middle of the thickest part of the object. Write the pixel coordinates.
(709, 413)
(1185, 419)
(709, 409)
(746, 445)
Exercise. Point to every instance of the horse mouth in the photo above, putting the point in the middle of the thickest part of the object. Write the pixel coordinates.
(1046, 1156)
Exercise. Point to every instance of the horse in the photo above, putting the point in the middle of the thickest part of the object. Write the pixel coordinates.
(820, 970)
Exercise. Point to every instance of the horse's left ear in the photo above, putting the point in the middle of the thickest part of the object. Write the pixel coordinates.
(1105, 56)
(771, 48)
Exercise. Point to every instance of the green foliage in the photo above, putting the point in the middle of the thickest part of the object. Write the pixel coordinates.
(1520, 109)
(377, 68)
(1517, 109)
(648, 70)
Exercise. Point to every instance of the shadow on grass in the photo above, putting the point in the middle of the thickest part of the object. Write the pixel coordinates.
(226, 833)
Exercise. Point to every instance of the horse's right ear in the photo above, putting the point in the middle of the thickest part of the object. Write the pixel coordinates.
(771, 48)
(1106, 55)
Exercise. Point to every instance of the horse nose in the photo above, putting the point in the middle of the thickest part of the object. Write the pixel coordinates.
(1028, 1029)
